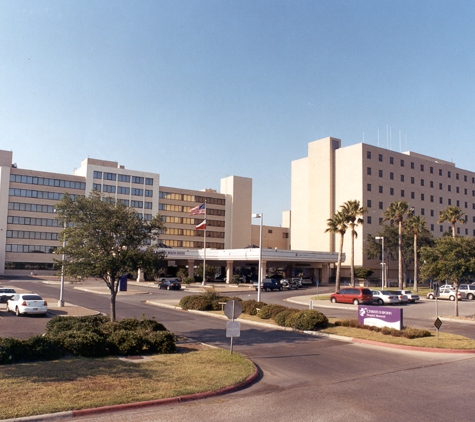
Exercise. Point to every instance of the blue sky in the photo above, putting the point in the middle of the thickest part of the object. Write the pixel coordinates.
(197, 90)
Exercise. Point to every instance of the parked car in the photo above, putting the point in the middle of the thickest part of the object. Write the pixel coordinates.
(297, 282)
(269, 284)
(445, 293)
(306, 281)
(382, 297)
(468, 289)
(6, 293)
(355, 295)
(412, 297)
(27, 303)
(403, 299)
(170, 284)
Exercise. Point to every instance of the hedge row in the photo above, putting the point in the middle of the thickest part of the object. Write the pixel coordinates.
(306, 320)
(407, 332)
(89, 336)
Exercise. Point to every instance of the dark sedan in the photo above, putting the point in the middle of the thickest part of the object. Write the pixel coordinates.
(169, 284)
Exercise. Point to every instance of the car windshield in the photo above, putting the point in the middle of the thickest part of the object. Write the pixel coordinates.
(7, 291)
(31, 297)
(386, 293)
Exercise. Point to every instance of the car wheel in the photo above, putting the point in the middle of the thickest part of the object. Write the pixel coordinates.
(17, 311)
(280, 289)
(168, 287)
(380, 302)
(333, 300)
(470, 296)
(431, 296)
(356, 302)
(452, 298)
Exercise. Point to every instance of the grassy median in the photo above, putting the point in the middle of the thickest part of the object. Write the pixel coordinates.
(70, 384)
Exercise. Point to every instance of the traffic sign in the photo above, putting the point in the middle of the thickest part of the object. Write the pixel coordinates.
(233, 309)
(438, 323)
(233, 329)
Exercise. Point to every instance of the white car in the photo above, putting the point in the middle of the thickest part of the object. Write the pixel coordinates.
(468, 289)
(384, 297)
(411, 296)
(445, 294)
(401, 297)
(27, 303)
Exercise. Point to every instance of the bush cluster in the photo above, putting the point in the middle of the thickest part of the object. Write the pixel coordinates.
(407, 332)
(306, 320)
(89, 336)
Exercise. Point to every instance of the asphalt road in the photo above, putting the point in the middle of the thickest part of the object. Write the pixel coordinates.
(304, 378)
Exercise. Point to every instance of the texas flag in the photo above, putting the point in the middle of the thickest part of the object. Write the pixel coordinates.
(200, 209)
(201, 226)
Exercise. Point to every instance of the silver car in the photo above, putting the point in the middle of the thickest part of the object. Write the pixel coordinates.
(445, 293)
(27, 303)
(382, 297)
(412, 297)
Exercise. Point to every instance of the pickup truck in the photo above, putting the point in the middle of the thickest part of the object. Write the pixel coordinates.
(269, 284)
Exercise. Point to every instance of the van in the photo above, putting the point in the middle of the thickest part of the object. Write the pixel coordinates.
(354, 295)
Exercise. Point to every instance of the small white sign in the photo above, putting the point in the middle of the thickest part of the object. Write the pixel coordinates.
(233, 329)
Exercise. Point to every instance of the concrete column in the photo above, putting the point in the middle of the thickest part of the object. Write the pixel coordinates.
(264, 270)
(191, 268)
(229, 271)
(325, 273)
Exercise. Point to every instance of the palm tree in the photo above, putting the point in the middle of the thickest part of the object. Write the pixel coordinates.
(395, 213)
(416, 225)
(353, 212)
(337, 224)
(453, 215)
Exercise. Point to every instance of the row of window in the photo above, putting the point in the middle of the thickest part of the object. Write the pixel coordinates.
(185, 208)
(192, 244)
(30, 248)
(189, 232)
(26, 193)
(20, 206)
(191, 198)
(421, 167)
(122, 178)
(20, 234)
(369, 204)
(122, 190)
(195, 221)
(59, 183)
(30, 221)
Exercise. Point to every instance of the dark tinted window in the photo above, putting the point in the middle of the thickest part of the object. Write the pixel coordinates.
(31, 297)
(366, 291)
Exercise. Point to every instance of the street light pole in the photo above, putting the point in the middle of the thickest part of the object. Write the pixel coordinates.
(382, 260)
(61, 290)
(259, 275)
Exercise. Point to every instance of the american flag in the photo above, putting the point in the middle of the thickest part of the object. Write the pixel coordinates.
(200, 209)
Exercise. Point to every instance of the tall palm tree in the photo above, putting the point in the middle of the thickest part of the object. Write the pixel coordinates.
(396, 212)
(416, 224)
(353, 212)
(453, 215)
(337, 224)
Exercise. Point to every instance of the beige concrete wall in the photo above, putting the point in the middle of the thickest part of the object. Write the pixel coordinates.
(5, 167)
(238, 191)
(272, 237)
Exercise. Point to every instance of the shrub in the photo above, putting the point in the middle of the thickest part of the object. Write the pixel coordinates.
(407, 332)
(82, 343)
(42, 348)
(134, 324)
(310, 319)
(70, 323)
(251, 306)
(125, 342)
(12, 350)
(286, 318)
(160, 342)
(270, 311)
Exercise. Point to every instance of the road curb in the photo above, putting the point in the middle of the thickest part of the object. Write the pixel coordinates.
(251, 379)
(412, 348)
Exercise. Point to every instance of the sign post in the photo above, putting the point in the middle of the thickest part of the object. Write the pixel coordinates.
(232, 310)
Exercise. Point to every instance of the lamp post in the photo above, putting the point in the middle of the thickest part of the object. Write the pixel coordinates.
(382, 260)
(259, 275)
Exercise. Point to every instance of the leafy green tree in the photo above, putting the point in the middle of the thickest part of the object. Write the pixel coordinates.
(452, 215)
(338, 224)
(450, 259)
(353, 212)
(395, 213)
(106, 239)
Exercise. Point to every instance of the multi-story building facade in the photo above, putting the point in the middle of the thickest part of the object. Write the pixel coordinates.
(331, 175)
(29, 229)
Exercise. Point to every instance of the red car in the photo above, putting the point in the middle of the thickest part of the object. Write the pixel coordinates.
(355, 295)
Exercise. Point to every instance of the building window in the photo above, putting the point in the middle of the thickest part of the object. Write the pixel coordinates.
(380, 205)
(123, 190)
(413, 195)
(431, 227)
(138, 180)
(137, 192)
(148, 193)
(149, 181)
(402, 193)
(413, 180)
(369, 219)
(412, 165)
(466, 204)
(391, 191)
(368, 187)
(380, 220)
(97, 175)
(431, 170)
(440, 186)
(380, 157)
(391, 160)
(123, 178)
(402, 163)
(441, 229)
(441, 201)
(422, 182)
(449, 201)
(96, 187)
(457, 189)
(431, 184)
(110, 176)
(368, 171)
(422, 197)
(380, 189)
(368, 155)
(108, 188)
(423, 211)
(449, 174)
(449, 188)
(432, 198)
(465, 178)
(458, 230)
(368, 203)
(440, 172)
(458, 203)
(391, 176)
(465, 191)
(422, 167)
(457, 176)
(402, 177)
(380, 173)
(466, 232)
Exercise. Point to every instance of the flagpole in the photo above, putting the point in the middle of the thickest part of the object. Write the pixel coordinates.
(204, 251)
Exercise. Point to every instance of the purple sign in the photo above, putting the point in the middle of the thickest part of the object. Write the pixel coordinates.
(380, 316)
